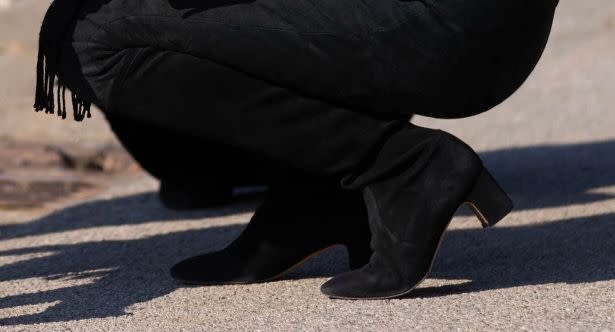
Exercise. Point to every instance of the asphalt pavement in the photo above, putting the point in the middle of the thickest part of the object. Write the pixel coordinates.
(97, 257)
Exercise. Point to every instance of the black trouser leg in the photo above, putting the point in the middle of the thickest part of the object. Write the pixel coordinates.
(303, 215)
(217, 79)
(328, 141)
(189, 179)
(195, 96)
(171, 156)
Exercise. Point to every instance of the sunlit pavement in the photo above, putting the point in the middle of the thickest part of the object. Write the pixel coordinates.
(96, 256)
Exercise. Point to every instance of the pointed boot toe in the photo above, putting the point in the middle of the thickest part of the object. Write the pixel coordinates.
(367, 283)
(341, 286)
(184, 270)
(205, 270)
(278, 239)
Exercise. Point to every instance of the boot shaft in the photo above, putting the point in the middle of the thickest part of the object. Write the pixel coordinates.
(409, 212)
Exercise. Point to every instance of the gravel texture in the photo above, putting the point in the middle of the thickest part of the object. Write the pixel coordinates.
(98, 259)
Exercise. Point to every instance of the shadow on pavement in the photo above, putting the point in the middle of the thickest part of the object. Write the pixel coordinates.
(128, 210)
(138, 273)
(554, 175)
(575, 250)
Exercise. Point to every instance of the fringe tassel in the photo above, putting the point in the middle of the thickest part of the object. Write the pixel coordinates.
(50, 90)
(51, 93)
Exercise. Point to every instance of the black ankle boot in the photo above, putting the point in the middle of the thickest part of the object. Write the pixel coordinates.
(409, 212)
(292, 225)
(178, 196)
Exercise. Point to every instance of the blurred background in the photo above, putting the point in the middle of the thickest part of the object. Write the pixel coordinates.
(552, 146)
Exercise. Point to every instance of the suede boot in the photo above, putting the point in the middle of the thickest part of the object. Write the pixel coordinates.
(178, 196)
(294, 223)
(409, 212)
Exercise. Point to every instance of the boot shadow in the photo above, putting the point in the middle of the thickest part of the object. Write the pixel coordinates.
(554, 175)
(127, 210)
(126, 272)
(571, 251)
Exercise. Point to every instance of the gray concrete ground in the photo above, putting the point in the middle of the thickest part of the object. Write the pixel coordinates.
(97, 259)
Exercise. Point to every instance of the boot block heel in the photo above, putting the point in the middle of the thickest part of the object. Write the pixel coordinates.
(488, 200)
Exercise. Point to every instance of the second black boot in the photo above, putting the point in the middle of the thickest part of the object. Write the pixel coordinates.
(410, 210)
(180, 196)
(295, 222)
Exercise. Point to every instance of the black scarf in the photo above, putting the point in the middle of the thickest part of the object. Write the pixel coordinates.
(50, 95)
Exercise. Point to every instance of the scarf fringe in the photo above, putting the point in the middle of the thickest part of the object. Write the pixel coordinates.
(51, 93)
(50, 90)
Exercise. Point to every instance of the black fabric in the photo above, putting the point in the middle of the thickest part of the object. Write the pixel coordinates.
(323, 87)
(189, 161)
(317, 86)
(408, 213)
(390, 58)
(295, 221)
(54, 29)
